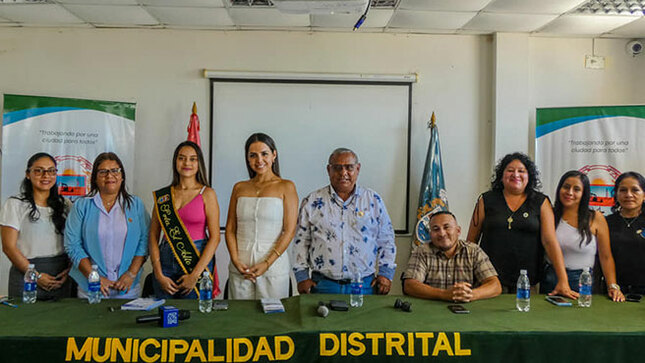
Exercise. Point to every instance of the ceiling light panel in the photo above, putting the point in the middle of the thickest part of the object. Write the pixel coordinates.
(113, 15)
(444, 5)
(612, 7)
(191, 17)
(532, 6)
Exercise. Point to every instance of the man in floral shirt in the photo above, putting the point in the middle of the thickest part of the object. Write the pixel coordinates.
(344, 231)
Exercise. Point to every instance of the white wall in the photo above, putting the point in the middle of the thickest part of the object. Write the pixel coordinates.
(160, 70)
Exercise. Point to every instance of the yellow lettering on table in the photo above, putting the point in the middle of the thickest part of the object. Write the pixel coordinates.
(236, 349)
(119, 349)
(195, 350)
(343, 344)
(142, 350)
(424, 342)
(374, 337)
(77, 354)
(96, 356)
(135, 350)
(164, 351)
(442, 343)
(323, 344)
(277, 342)
(211, 353)
(410, 344)
(177, 346)
(262, 348)
(396, 341)
(229, 349)
(458, 350)
(357, 346)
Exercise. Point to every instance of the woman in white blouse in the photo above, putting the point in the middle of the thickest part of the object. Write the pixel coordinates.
(32, 231)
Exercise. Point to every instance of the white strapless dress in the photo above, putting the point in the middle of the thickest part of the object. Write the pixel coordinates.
(259, 225)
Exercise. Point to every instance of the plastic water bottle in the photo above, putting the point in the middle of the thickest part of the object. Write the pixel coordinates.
(29, 292)
(94, 286)
(523, 297)
(356, 293)
(584, 300)
(205, 293)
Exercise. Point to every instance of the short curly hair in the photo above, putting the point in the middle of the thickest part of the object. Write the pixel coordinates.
(533, 184)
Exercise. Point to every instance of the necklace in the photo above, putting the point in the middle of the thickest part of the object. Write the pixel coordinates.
(510, 217)
(629, 224)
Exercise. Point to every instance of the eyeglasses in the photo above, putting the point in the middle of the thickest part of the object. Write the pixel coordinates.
(41, 171)
(339, 167)
(104, 172)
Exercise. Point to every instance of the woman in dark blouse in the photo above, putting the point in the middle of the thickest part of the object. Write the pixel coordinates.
(515, 223)
(627, 232)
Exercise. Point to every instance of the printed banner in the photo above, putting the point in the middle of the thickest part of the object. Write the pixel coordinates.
(73, 131)
(602, 142)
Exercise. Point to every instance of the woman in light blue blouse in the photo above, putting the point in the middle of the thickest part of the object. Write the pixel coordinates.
(109, 228)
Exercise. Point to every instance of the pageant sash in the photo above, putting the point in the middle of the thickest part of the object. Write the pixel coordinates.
(177, 235)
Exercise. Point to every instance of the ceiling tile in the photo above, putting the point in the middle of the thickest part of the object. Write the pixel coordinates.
(99, 2)
(420, 31)
(198, 17)
(376, 18)
(532, 6)
(635, 29)
(113, 15)
(40, 14)
(585, 24)
(494, 22)
(267, 18)
(182, 3)
(444, 5)
(430, 19)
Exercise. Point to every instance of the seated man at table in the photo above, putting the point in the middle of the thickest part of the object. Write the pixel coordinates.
(343, 230)
(448, 268)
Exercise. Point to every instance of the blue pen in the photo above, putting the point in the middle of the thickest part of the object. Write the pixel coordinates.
(9, 304)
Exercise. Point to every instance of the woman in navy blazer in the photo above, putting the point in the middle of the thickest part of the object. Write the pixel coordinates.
(108, 228)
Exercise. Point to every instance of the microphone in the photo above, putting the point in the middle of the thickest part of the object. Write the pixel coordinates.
(322, 310)
(167, 316)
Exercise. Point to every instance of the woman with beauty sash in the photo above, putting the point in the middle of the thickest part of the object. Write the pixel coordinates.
(187, 213)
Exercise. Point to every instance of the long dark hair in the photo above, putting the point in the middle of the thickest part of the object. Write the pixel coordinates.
(94, 188)
(629, 174)
(533, 184)
(201, 170)
(584, 213)
(54, 200)
(268, 141)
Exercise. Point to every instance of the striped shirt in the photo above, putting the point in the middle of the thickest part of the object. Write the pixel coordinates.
(430, 265)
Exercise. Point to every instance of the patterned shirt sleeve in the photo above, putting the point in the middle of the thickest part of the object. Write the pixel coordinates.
(302, 242)
(385, 241)
(417, 265)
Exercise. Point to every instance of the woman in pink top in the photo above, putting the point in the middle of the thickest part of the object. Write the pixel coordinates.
(196, 206)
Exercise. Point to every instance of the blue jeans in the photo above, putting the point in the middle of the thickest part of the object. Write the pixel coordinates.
(170, 268)
(329, 286)
(551, 279)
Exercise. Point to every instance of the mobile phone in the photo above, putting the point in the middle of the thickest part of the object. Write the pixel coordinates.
(338, 305)
(633, 297)
(458, 309)
(558, 300)
(220, 305)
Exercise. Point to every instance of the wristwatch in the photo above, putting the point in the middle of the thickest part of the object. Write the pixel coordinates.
(39, 276)
(614, 287)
